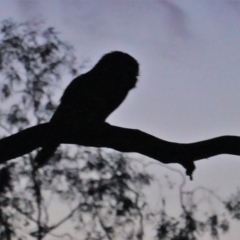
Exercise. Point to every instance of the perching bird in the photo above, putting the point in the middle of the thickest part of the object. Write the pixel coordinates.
(91, 97)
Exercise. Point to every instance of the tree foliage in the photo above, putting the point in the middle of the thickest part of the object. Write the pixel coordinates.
(32, 63)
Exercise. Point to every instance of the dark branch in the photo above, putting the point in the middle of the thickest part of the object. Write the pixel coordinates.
(121, 139)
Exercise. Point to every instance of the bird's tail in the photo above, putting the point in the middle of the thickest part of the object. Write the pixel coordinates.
(44, 155)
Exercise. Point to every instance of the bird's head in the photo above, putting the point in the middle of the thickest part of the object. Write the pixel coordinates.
(119, 66)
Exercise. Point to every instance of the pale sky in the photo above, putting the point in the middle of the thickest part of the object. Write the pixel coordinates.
(189, 57)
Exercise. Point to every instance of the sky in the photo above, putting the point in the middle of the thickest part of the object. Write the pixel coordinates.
(189, 57)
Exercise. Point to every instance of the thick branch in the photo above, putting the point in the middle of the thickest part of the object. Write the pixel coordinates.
(121, 139)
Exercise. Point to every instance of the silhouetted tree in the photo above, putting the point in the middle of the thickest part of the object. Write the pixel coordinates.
(99, 194)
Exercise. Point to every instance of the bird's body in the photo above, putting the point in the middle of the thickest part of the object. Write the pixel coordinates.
(90, 98)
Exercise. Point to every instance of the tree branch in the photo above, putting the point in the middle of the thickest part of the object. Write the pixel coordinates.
(121, 139)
